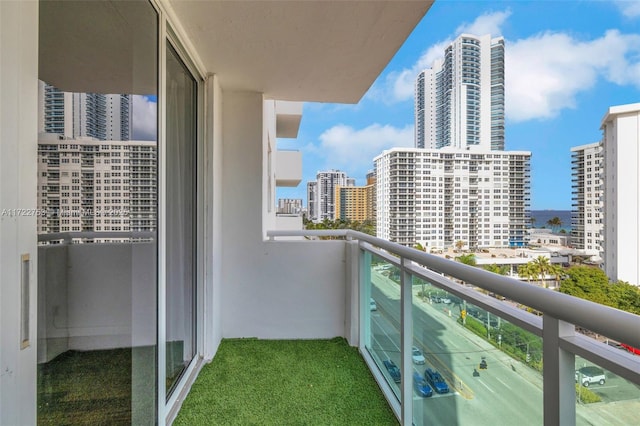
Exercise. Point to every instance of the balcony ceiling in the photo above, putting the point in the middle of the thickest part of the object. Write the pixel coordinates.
(325, 51)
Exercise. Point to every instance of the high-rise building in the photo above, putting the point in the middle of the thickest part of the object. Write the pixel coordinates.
(586, 212)
(355, 202)
(621, 157)
(312, 200)
(88, 185)
(77, 115)
(289, 206)
(437, 197)
(326, 192)
(459, 101)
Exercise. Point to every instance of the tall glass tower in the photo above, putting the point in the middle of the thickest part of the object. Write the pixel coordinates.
(459, 101)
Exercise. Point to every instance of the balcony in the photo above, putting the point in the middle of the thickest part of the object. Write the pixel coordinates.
(420, 302)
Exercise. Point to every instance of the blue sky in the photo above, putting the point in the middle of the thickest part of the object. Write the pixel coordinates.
(567, 62)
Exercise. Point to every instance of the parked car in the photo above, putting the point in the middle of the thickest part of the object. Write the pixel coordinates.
(393, 370)
(590, 375)
(417, 356)
(421, 386)
(436, 380)
(372, 305)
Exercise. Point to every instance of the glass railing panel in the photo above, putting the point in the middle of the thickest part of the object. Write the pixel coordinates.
(383, 339)
(481, 369)
(602, 397)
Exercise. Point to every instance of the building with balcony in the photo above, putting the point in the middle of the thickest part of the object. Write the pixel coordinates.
(89, 185)
(290, 206)
(621, 160)
(355, 203)
(586, 190)
(76, 115)
(459, 101)
(139, 320)
(437, 197)
(321, 197)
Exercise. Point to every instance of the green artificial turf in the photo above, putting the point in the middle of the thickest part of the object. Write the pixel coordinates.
(285, 382)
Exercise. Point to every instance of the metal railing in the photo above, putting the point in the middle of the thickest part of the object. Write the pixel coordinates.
(561, 314)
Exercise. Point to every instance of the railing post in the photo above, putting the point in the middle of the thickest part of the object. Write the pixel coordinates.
(406, 341)
(353, 302)
(559, 392)
(365, 294)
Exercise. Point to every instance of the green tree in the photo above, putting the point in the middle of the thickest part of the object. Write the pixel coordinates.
(467, 259)
(587, 283)
(497, 269)
(527, 272)
(555, 223)
(542, 267)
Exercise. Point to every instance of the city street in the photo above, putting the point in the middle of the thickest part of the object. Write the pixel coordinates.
(507, 392)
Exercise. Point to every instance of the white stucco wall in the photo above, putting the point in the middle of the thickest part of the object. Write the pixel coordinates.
(96, 296)
(18, 166)
(622, 196)
(271, 289)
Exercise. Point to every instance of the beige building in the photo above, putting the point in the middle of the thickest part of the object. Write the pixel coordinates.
(355, 202)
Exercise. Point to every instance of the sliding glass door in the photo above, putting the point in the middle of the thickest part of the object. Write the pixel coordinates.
(181, 216)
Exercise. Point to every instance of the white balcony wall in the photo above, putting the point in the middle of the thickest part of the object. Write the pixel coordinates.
(95, 296)
(288, 168)
(18, 170)
(272, 290)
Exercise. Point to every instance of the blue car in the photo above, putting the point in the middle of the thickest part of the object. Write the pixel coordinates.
(436, 381)
(393, 370)
(421, 386)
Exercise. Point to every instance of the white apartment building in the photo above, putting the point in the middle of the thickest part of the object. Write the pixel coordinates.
(312, 200)
(325, 190)
(75, 115)
(437, 197)
(621, 155)
(88, 185)
(289, 206)
(586, 185)
(459, 101)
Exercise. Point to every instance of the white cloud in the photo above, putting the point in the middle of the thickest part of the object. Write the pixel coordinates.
(144, 119)
(488, 23)
(629, 8)
(398, 85)
(353, 150)
(541, 84)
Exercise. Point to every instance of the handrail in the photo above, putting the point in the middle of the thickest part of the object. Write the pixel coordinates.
(607, 321)
(69, 236)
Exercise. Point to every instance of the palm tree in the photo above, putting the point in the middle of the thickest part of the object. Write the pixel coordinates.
(459, 244)
(420, 247)
(526, 272)
(467, 259)
(557, 272)
(542, 267)
(555, 223)
(500, 270)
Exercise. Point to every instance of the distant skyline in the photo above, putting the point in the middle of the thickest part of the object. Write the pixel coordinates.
(567, 62)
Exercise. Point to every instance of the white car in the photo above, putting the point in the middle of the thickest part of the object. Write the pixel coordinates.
(417, 356)
(372, 305)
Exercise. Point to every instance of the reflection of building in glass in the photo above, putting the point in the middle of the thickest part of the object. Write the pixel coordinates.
(437, 197)
(87, 185)
(94, 115)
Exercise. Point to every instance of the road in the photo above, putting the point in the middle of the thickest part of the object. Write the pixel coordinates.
(497, 394)
(506, 393)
